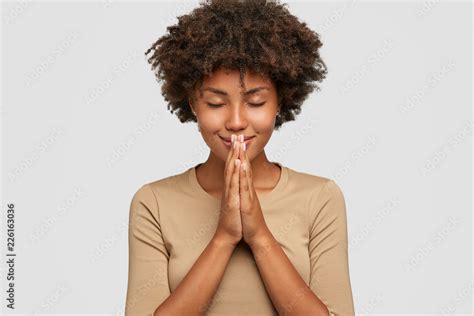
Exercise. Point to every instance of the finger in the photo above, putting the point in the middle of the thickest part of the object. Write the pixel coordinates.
(244, 188)
(234, 184)
(231, 166)
(229, 154)
(248, 172)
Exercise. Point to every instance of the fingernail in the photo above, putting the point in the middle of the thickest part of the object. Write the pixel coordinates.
(245, 146)
(237, 161)
(241, 138)
(232, 138)
(244, 166)
(235, 144)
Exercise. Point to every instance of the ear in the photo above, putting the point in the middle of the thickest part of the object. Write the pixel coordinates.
(191, 105)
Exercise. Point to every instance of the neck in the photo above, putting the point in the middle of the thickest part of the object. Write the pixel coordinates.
(212, 171)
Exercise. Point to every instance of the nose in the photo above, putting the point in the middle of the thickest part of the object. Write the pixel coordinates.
(236, 119)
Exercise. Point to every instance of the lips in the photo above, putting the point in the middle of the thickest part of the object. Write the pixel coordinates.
(227, 139)
(227, 142)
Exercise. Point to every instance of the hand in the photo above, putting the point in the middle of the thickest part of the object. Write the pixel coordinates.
(253, 222)
(230, 225)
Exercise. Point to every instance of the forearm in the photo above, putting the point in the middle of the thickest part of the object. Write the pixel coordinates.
(287, 290)
(194, 293)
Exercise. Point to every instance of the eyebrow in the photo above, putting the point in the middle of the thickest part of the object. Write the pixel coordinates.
(217, 91)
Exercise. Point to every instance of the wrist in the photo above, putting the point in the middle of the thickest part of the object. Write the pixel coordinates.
(261, 240)
(224, 241)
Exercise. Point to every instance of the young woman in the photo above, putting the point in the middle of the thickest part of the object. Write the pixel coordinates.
(238, 234)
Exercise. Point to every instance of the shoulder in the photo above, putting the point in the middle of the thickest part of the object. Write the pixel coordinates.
(150, 191)
(320, 192)
(314, 184)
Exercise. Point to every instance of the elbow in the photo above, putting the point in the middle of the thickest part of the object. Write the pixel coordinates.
(163, 311)
(163, 308)
(318, 310)
(323, 310)
(166, 310)
(160, 311)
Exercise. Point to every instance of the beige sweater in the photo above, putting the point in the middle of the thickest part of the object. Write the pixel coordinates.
(173, 219)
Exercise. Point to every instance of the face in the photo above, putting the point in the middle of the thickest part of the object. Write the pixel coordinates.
(225, 108)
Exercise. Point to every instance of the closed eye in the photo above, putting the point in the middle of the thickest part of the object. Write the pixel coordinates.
(213, 105)
(257, 104)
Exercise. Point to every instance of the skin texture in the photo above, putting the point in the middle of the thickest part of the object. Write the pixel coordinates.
(236, 116)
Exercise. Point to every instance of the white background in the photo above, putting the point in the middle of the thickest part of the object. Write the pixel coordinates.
(84, 125)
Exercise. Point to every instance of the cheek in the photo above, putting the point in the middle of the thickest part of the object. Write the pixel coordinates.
(210, 123)
(262, 122)
(210, 126)
(263, 125)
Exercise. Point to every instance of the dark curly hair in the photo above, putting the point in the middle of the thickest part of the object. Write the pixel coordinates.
(259, 35)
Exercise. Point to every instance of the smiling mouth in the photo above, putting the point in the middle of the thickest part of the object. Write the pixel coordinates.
(228, 142)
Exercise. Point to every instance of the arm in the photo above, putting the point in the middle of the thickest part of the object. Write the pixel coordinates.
(287, 290)
(148, 290)
(328, 250)
(148, 256)
(193, 295)
(329, 271)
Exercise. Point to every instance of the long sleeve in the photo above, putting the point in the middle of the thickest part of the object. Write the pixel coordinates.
(148, 283)
(328, 249)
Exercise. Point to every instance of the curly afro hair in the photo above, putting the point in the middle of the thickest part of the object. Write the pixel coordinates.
(259, 35)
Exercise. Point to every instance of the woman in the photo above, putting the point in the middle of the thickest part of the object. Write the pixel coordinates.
(238, 234)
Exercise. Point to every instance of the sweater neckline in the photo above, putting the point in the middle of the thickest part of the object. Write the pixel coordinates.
(265, 198)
